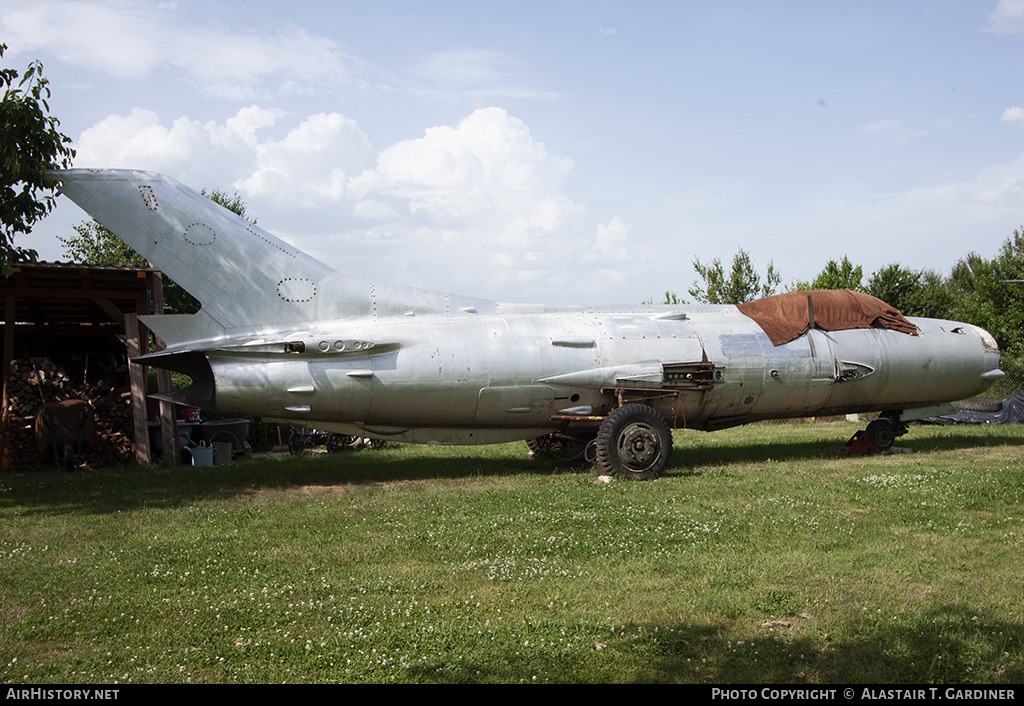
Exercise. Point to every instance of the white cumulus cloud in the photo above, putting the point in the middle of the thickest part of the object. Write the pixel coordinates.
(198, 153)
(313, 162)
(1013, 115)
(132, 40)
(1007, 18)
(482, 200)
(485, 194)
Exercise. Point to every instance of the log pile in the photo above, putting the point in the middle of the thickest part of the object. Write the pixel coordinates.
(35, 382)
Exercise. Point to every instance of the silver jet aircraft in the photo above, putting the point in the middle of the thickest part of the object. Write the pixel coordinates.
(284, 337)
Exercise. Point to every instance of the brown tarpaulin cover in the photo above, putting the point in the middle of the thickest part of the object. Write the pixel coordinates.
(784, 317)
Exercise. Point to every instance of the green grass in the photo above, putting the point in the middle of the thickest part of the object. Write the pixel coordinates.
(758, 557)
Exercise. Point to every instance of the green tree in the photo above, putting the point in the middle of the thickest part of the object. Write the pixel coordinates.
(936, 299)
(742, 284)
(670, 298)
(30, 144)
(990, 293)
(232, 203)
(95, 245)
(914, 292)
(836, 275)
(896, 285)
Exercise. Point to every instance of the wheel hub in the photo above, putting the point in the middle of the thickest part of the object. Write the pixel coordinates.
(638, 446)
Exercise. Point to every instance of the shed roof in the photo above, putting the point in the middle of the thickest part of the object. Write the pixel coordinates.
(48, 294)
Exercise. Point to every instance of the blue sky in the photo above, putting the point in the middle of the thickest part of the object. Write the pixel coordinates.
(558, 152)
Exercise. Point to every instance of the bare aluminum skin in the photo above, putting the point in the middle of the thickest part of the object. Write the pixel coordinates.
(282, 336)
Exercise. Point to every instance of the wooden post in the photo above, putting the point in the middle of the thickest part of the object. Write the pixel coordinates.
(137, 378)
(168, 424)
(8, 355)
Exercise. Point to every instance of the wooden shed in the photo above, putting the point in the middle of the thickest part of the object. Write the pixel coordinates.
(55, 310)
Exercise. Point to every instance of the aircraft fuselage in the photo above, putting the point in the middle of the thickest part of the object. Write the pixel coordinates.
(281, 335)
(480, 378)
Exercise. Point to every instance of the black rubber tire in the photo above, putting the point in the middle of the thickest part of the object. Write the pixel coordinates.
(882, 433)
(979, 404)
(537, 445)
(634, 443)
(296, 442)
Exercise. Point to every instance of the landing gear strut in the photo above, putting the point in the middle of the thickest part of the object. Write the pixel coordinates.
(883, 432)
(561, 446)
(879, 436)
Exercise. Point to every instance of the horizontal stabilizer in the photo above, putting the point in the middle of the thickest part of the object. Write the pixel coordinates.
(196, 328)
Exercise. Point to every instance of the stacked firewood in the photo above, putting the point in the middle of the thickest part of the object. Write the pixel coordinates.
(35, 382)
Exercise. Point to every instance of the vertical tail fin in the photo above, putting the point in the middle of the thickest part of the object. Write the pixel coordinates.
(242, 275)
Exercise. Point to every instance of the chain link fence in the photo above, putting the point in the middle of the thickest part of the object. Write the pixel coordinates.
(1012, 382)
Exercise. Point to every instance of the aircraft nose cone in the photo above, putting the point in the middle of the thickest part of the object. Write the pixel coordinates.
(987, 339)
(991, 354)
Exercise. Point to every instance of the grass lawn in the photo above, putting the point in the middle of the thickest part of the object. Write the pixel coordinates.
(758, 557)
